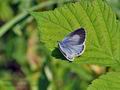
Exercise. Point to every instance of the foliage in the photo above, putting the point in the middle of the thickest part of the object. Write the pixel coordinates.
(99, 21)
(102, 43)
(115, 6)
(110, 81)
(30, 62)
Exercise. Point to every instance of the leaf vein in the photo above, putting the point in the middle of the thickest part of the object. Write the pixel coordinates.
(55, 23)
(91, 24)
(106, 28)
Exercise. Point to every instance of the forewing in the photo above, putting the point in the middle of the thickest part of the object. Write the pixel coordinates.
(75, 38)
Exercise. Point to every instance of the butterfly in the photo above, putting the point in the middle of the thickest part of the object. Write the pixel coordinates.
(73, 45)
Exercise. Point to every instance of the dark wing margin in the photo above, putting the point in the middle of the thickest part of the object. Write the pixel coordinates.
(81, 32)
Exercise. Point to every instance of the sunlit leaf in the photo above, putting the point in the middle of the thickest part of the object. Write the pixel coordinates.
(109, 81)
(99, 21)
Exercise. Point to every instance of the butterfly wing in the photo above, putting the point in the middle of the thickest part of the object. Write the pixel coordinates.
(75, 38)
(71, 51)
(77, 49)
(66, 51)
(73, 44)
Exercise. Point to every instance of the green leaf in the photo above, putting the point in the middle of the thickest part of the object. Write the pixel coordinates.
(99, 21)
(110, 81)
(6, 12)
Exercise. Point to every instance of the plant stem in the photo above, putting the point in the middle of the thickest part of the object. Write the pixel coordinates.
(21, 16)
(11, 23)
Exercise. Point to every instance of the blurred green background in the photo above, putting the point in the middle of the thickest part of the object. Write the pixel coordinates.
(24, 64)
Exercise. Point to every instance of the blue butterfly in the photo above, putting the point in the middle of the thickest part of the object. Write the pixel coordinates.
(73, 45)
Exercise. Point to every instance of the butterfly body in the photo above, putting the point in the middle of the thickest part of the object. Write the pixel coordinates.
(73, 45)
